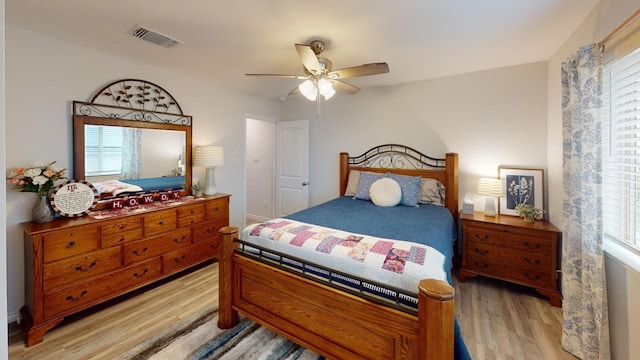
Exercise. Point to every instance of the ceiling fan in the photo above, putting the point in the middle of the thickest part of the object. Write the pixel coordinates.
(320, 78)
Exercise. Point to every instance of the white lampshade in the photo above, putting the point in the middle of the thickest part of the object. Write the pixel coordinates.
(308, 89)
(209, 157)
(492, 189)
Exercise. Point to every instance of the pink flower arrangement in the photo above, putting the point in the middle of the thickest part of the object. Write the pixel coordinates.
(37, 179)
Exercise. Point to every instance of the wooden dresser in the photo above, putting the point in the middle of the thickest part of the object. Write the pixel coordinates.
(508, 248)
(73, 264)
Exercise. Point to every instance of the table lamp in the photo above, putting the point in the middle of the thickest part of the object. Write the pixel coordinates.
(492, 189)
(209, 157)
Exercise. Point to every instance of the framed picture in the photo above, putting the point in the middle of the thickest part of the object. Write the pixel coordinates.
(521, 185)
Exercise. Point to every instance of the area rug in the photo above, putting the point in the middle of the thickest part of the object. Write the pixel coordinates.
(198, 338)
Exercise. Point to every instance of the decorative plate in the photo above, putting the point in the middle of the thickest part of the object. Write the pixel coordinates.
(74, 198)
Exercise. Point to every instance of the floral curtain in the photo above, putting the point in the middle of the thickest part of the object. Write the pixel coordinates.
(585, 331)
(131, 150)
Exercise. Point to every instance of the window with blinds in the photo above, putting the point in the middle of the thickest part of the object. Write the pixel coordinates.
(621, 149)
(103, 150)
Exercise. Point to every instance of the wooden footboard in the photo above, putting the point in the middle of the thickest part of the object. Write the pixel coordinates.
(334, 323)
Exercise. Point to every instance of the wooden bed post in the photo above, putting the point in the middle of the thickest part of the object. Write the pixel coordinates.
(451, 162)
(227, 316)
(435, 320)
(344, 172)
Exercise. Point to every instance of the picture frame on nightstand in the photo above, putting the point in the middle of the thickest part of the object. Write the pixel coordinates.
(521, 185)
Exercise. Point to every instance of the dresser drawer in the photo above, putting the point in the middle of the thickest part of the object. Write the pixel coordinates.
(209, 230)
(81, 267)
(532, 260)
(526, 276)
(191, 210)
(160, 222)
(190, 220)
(121, 225)
(120, 237)
(69, 242)
(484, 236)
(217, 209)
(149, 248)
(84, 294)
(184, 257)
(530, 243)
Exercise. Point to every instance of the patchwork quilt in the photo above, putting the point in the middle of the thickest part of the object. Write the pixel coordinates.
(394, 262)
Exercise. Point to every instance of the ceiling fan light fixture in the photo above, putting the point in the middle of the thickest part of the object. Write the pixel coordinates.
(308, 90)
(325, 87)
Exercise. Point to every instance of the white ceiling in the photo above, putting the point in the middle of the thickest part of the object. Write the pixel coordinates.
(223, 40)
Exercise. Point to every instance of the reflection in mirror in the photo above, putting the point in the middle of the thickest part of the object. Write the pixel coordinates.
(120, 153)
(121, 157)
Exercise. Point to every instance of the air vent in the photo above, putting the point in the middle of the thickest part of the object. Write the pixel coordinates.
(153, 36)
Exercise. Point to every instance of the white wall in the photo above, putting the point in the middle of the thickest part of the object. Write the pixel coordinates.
(489, 118)
(623, 282)
(260, 140)
(45, 74)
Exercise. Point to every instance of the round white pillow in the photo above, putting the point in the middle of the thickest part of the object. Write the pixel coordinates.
(385, 192)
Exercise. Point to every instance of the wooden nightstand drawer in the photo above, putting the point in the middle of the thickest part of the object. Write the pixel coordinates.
(499, 269)
(481, 235)
(515, 257)
(532, 243)
(209, 230)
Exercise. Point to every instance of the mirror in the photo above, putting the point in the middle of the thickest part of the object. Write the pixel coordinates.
(163, 164)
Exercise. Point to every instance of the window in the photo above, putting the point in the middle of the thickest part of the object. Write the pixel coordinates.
(621, 149)
(103, 150)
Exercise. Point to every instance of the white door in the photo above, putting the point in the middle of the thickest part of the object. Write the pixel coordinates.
(292, 166)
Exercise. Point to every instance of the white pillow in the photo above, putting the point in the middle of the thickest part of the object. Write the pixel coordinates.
(385, 192)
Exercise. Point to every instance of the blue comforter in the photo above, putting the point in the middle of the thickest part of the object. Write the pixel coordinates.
(428, 224)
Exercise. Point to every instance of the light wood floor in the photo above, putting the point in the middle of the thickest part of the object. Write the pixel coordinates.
(498, 321)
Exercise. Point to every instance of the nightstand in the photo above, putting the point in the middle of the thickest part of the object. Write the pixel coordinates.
(508, 248)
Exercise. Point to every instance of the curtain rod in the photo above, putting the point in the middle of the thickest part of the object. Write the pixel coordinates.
(619, 29)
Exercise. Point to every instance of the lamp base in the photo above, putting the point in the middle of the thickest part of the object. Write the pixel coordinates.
(210, 181)
(490, 206)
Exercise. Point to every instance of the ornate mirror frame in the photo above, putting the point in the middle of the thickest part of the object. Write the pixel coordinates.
(130, 103)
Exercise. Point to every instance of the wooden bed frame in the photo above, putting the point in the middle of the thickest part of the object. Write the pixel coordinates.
(332, 322)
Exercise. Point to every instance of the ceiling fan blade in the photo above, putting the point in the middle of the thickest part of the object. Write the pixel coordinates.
(309, 59)
(345, 87)
(295, 91)
(298, 77)
(362, 70)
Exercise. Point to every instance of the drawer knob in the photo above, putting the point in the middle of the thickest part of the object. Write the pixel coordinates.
(530, 277)
(82, 294)
(121, 226)
(179, 240)
(483, 252)
(179, 260)
(161, 222)
(531, 246)
(71, 244)
(484, 266)
(81, 269)
(212, 229)
(532, 262)
(135, 274)
(486, 237)
(122, 238)
(144, 250)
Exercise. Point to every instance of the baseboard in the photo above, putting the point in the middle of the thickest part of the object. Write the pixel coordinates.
(14, 317)
(256, 218)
